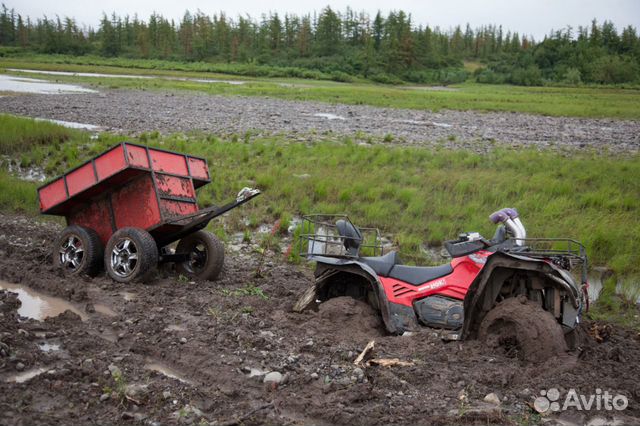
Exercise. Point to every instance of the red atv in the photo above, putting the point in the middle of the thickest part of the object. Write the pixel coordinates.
(517, 293)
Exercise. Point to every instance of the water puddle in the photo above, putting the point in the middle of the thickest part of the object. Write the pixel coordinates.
(169, 372)
(10, 83)
(25, 375)
(48, 347)
(38, 306)
(71, 124)
(31, 173)
(329, 116)
(134, 76)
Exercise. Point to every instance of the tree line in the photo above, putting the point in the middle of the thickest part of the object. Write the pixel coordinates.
(343, 45)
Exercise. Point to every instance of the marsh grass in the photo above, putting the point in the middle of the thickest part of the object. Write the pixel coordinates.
(20, 135)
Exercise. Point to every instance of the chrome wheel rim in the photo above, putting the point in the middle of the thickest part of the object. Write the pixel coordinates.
(71, 253)
(124, 258)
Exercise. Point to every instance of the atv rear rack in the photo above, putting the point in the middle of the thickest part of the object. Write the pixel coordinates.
(319, 236)
(565, 252)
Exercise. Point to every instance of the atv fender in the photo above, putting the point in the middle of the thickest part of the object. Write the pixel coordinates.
(397, 318)
(484, 290)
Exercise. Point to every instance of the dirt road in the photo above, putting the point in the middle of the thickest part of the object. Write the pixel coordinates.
(134, 112)
(175, 352)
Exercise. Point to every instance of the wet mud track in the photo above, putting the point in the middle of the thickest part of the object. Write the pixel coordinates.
(176, 352)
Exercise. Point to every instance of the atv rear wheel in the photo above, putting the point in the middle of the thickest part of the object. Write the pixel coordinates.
(523, 329)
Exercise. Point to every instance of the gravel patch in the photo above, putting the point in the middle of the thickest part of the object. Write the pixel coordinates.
(133, 112)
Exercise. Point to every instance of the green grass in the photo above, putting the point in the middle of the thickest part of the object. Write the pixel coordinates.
(597, 102)
(418, 195)
(17, 195)
(617, 306)
(21, 135)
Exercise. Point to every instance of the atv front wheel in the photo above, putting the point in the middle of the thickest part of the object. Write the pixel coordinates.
(523, 330)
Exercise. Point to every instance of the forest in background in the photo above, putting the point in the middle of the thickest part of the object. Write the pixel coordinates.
(343, 46)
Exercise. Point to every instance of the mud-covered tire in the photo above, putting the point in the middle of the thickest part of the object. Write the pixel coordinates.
(78, 251)
(523, 329)
(206, 256)
(131, 255)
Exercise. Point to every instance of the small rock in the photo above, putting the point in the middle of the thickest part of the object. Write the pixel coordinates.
(166, 395)
(314, 376)
(136, 390)
(127, 416)
(359, 373)
(273, 377)
(183, 340)
(492, 398)
(87, 363)
(20, 366)
(114, 370)
(104, 397)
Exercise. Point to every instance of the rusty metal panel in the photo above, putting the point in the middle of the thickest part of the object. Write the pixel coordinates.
(135, 204)
(173, 186)
(137, 156)
(198, 168)
(110, 162)
(52, 194)
(80, 179)
(169, 162)
(95, 215)
(172, 208)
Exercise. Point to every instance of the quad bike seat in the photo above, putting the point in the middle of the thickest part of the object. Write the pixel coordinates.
(382, 265)
(417, 275)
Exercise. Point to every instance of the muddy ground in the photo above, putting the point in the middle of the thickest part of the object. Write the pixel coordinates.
(216, 341)
(134, 112)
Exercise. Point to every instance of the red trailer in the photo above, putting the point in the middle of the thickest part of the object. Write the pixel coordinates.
(125, 206)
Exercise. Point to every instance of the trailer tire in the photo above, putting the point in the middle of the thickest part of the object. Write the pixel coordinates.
(78, 251)
(131, 255)
(198, 245)
(522, 328)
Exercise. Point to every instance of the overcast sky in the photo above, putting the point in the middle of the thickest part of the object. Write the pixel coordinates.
(529, 17)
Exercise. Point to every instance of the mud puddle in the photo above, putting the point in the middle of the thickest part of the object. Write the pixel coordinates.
(31, 85)
(38, 306)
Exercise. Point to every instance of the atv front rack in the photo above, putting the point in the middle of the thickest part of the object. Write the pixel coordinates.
(567, 253)
(319, 236)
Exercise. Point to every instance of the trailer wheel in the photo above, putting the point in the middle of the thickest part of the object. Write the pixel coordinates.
(131, 255)
(78, 251)
(206, 255)
(523, 330)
